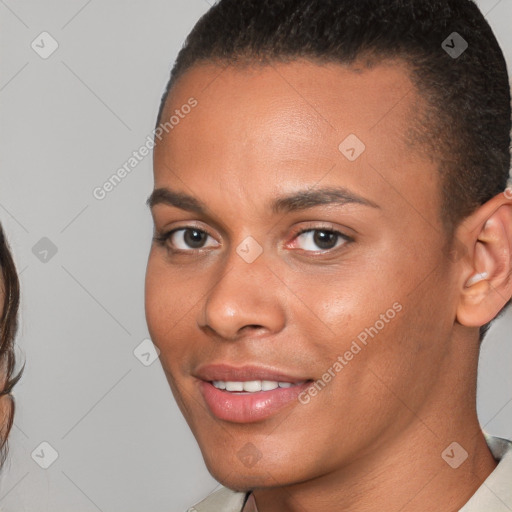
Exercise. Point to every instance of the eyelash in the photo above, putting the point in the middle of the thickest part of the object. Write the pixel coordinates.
(164, 238)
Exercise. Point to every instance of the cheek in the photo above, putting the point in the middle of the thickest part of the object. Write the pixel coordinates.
(172, 296)
(374, 315)
(346, 301)
(155, 301)
(163, 300)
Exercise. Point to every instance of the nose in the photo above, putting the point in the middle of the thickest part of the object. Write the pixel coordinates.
(246, 298)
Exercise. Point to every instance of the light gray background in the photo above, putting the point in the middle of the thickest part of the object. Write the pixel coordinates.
(67, 124)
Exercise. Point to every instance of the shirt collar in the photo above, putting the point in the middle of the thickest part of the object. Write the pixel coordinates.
(250, 504)
(495, 493)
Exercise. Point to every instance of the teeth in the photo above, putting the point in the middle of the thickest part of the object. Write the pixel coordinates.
(269, 385)
(251, 386)
(234, 386)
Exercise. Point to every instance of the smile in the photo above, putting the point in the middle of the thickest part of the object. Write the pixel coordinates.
(249, 393)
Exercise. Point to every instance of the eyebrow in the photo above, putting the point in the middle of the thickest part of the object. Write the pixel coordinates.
(296, 201)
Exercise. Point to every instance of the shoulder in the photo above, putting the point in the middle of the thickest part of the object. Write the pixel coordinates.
(223, 500)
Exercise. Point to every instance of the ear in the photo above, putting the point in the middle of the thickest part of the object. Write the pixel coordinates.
(486, 275)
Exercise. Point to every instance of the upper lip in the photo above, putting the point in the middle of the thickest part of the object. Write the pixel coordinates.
(226, 372)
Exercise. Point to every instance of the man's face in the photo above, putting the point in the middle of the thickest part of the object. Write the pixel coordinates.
(237, 293)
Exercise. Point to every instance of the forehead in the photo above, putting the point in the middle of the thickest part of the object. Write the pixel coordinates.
(293, 121)
(299, 101)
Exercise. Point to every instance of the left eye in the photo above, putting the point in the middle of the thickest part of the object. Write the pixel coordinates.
(323, 239)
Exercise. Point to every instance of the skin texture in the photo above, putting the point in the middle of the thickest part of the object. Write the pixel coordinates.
(374, 435)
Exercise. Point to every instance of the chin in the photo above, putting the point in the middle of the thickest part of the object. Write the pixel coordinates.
(244, 481)
(250, 472)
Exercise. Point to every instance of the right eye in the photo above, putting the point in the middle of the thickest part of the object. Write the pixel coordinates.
(185, 239)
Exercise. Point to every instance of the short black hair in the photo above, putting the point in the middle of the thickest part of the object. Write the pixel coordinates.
(465, 122)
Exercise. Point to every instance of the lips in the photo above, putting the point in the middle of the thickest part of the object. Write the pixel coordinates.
(248, 394)
(224, 372)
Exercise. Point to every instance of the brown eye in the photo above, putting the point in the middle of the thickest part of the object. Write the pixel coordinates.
(321, 239)
(187, 239)
(194, 238)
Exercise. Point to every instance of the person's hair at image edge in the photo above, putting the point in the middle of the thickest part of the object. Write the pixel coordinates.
(465, 121)
(9, 288)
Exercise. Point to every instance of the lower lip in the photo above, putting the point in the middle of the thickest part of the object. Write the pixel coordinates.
(249, 407)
